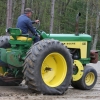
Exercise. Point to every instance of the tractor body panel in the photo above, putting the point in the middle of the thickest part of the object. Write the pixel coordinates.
(81, 43)
(15, 55)
(11, 57)
(14, 58)
(71, 37)
(3, 55)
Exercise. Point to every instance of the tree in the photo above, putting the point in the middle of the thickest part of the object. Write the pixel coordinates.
(97, 26)
(87, 12)
(13, 10)
(67, 2)
(9, 14)
(52, 15)
(91, 18)
(23, 6)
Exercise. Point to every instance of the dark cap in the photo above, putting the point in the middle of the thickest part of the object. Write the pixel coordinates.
(27, 10)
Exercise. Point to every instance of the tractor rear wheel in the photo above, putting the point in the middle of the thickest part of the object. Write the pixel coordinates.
(88, 79)
(5, 44)
(48, 67)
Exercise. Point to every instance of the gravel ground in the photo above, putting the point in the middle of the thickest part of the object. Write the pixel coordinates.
(22, 92)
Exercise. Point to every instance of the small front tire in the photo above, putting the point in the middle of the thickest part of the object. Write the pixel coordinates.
(88, 79)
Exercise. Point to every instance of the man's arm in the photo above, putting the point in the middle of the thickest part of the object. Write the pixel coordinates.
(33, 22)
(31, 28)
(36, 21)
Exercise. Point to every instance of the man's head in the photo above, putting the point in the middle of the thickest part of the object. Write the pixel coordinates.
(28, 12)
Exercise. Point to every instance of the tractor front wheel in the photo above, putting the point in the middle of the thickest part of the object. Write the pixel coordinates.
(48, 67)
(88, 79)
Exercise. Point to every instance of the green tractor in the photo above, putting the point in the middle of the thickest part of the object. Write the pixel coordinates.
(49, 66)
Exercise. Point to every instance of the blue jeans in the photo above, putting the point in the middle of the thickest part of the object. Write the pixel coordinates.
(36, 39)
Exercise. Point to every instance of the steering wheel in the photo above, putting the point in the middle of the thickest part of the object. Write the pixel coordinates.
(36, 25)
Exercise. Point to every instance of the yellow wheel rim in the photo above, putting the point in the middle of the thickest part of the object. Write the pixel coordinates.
(54, 69)
(1, 71)
(80, 69)
(89, 79)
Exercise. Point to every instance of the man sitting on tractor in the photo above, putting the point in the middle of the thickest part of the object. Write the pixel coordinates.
(25, 24)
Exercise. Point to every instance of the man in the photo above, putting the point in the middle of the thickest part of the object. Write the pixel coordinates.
(25, 24)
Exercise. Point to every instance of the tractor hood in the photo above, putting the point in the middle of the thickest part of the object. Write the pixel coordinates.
(70, 37)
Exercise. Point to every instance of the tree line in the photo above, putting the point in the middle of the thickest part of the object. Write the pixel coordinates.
(56, 16)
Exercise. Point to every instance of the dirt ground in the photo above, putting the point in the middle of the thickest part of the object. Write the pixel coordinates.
(22, 92)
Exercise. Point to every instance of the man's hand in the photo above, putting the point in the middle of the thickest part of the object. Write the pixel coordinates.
(36, 34)
(37, 21)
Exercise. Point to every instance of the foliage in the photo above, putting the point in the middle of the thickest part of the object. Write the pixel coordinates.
(64, 18)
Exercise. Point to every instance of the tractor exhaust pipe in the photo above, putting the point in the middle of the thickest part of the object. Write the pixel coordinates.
(77, 24)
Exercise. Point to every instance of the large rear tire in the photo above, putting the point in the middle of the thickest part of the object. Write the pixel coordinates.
(88, 79)
(48, 67)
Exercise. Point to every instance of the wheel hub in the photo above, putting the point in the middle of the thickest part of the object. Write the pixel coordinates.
(77, 70)
(48, 69)
(89, 79)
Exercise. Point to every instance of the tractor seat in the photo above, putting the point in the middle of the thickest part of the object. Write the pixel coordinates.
(16, 34)
(21, 38)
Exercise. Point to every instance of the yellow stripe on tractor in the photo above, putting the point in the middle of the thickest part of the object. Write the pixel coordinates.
(78, 45)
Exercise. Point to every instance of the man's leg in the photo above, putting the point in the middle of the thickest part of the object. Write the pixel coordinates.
(30, 35)
(36, 39)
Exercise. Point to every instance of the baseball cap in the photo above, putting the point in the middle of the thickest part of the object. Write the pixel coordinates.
(27, 10)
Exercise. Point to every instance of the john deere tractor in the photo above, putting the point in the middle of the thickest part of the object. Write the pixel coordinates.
(49, 66)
